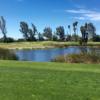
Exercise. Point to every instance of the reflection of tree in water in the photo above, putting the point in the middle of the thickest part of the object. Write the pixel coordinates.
(89, 50)
(95, 51)
(83, 49)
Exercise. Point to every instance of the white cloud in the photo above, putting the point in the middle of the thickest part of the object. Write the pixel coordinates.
(79, 11)
(93, 16)
(79, 18)
(88, 14)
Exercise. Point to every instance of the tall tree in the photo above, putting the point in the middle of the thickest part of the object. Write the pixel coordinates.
(91, 30)
(24, 29)
(34, 29)
(47, 32)
(69, 27)
(83, 30)
(31, 35)
(40, 36)
(60, 32)
(75, 29)
(69, 35)
(3, 27)
(34, 32)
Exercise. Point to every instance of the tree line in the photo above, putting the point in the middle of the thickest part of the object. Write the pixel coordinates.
(88, 31)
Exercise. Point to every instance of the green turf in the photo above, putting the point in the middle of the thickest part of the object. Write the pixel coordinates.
(49, 81)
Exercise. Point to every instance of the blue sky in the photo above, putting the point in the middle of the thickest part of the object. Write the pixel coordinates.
(49, 13)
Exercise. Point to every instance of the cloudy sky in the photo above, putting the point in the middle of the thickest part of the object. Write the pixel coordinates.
(49, 13)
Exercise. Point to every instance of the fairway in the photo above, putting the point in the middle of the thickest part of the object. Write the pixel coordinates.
(49, 81)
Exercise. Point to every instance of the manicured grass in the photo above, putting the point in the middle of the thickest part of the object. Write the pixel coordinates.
(49, 81)
(42, 45)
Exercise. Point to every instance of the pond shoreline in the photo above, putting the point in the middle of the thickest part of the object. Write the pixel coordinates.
(51, 47)
(47, 55)
(43, 45)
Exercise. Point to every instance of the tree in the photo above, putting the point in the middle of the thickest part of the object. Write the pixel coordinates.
(69, 37)
(75, 29)
(60, 32)
(47, 32)
(69, 27)
(91, 30)
(40, 36)
(24, 29)
(34, 29)
(33, 32)
(84, 33)
(88, 32)
(30, 35)
(3, 27)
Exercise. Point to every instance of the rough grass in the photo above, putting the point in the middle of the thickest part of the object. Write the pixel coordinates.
(91, 57)
(6, 54)
(49, 81)
(42, 45)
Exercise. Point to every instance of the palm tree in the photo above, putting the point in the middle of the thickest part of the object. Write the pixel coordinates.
(75, 29)
(69, 27)
(83, 31)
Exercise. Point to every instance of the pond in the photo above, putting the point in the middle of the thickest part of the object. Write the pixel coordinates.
(48, 54)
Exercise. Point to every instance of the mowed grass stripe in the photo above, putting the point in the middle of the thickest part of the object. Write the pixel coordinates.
(49, 81)
(51, 66)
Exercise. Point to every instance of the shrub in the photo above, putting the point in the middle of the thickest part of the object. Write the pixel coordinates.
(96, 38)
(59, 59)
(7, 55)
(21, 40)
(8, 40)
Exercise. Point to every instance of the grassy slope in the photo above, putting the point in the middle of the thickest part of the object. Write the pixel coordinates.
(49, 81)
(47, 44)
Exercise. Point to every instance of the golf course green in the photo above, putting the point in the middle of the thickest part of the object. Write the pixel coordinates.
(49, 81)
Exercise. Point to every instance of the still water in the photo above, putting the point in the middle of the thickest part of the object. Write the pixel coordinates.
(49, 54)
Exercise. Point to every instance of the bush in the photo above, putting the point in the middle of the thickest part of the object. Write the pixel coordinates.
(8, 40)
(21, 40)
(59, 59)
(7, 55)
(96, 38)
